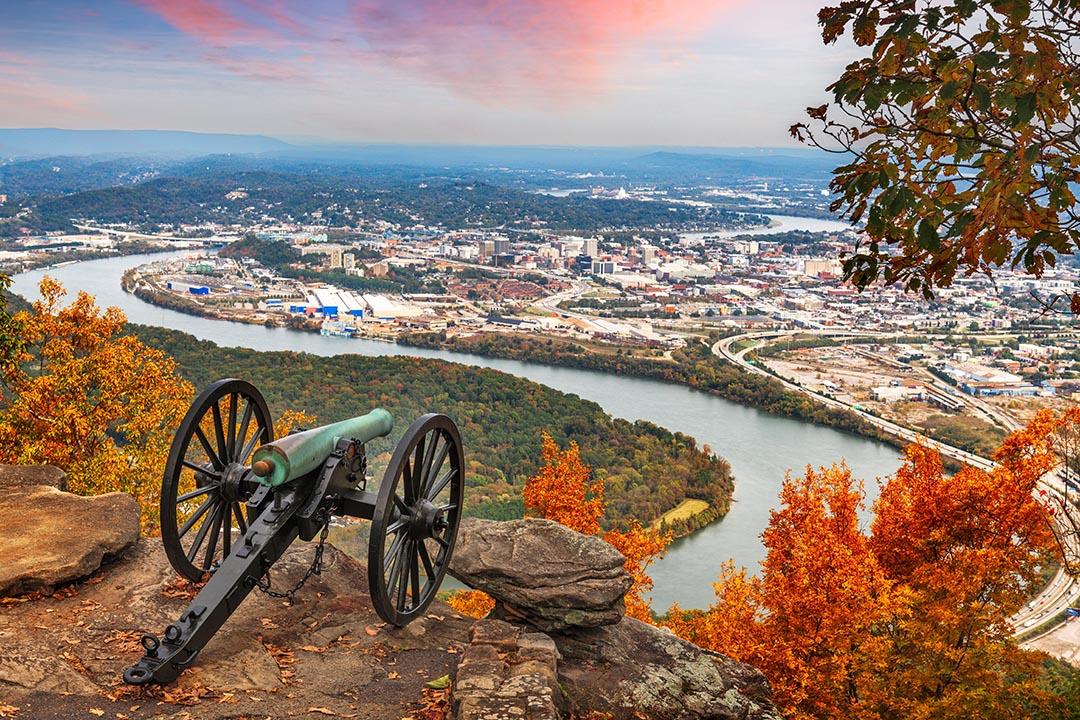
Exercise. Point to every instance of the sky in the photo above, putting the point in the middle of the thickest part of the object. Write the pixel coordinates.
(494, 72)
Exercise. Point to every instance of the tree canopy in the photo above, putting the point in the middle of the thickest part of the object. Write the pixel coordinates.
(962, 127)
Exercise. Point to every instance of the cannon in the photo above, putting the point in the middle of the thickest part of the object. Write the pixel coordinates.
(233, 499)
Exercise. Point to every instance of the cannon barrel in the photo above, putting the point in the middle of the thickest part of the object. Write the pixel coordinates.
(295, 455)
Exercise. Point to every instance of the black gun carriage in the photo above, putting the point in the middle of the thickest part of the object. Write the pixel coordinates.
(233, 499)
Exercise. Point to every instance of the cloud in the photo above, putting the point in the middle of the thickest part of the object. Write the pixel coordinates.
(26, 93)
(557, 49)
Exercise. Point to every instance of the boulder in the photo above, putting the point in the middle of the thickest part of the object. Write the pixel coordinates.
(22, 476)
(634, 670)
(542, 573)
(506, 672)
(52, 537)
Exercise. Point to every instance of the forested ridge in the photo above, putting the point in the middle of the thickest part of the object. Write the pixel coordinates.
(646, 469)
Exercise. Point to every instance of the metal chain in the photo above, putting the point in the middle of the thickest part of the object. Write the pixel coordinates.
(316, 568)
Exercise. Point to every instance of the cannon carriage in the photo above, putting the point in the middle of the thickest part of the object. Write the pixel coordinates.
(233, 499)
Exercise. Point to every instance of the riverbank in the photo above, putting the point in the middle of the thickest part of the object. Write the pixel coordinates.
(693, 366)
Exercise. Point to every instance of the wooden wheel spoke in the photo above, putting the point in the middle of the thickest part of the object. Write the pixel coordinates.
(414, 574)
(436, 466)
(426, 559)
(403, 578)
(241, 435)
(240, 522)
(441, 540)
(209, 450)
(226, 532)
(391, 553)
(230, 429)
(401, 506)
(199, 512)
(195, 493)
(429, 454)
(406, 480)
(219, 431)
(249, 446)
(219, 516)
(193, 552)
(443, 482)
(200, 469)
(397, 525)
(447, 507)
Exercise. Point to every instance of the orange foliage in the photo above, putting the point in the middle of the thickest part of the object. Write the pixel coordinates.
(294, 420)
(473, 603)
(640, 546)
(908, 620)
(89, 399)
(561, 491)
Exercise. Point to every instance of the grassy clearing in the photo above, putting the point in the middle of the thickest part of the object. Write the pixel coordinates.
(683, 511)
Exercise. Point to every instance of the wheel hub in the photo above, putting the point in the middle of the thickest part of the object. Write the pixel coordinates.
(230, 481)
(426, 520)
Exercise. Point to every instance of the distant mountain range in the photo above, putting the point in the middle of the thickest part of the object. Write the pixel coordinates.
(49, 142)
(29, 143)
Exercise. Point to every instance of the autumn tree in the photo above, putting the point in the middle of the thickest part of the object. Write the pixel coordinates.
(910, 620)
(563, 490)
(82, 395)
(807, 621)
(961, 131)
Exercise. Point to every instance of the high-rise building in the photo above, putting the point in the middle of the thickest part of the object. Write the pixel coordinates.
(590, 247)
(648, 254)
(348, 261)
(502, 246)
(485, 248)
(335, 258)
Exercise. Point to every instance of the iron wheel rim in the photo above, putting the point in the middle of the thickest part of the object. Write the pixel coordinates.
(202, 497)
(414, 530)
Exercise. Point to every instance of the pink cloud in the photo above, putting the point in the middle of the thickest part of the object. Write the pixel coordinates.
(561, 49)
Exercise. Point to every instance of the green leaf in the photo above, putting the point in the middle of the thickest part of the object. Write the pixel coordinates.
(928, 235)
(982, 96)
(438, 683)
(986, 59)
(1025, 109)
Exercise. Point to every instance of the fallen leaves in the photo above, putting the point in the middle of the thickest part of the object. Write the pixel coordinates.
(313, 649)
(435, 704)
(181, 588)
(328, 711)
(284, 658)
(189, 695)
(96, 711)
(8, 711)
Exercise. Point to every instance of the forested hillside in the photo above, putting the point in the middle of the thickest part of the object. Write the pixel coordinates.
(646, 469)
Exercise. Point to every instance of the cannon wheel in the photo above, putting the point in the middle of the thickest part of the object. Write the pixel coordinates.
(201, 492)
(415, 520)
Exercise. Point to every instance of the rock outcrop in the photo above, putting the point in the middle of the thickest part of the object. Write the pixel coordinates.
(633, 670)
(506, 672)
(325, 655)
(546, 577)
(51, 537)
(542, 573)
(568, 650)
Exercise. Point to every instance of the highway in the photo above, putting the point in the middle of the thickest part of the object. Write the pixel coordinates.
(1058, 593)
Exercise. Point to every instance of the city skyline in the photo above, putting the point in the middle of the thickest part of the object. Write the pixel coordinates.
(720, 73)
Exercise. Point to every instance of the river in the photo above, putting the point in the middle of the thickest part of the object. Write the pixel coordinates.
(761, 447)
